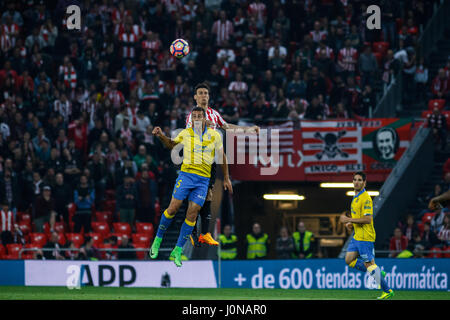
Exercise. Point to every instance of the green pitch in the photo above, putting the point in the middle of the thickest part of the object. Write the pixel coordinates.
(109, 293)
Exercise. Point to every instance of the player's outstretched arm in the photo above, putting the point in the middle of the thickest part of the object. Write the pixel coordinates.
(435, 202)
(226, 177)
(167, 142)
(254, 129)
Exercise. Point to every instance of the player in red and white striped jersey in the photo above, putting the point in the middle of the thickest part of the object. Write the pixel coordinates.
(213, 120)
(348, 57)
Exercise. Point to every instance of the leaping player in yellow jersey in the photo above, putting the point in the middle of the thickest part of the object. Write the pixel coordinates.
(362, 242)
(200, 146)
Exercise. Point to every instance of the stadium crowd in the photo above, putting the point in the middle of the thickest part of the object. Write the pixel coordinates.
(426, 231)
(77, 107)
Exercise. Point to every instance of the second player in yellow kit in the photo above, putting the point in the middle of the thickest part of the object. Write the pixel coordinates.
(360, 252)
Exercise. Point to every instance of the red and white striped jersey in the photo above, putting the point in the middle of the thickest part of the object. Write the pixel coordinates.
(211, 115)
(70, 76)
(257, 9)
(120, 16)
(172, 6)
(5, 42)
(7, 221)
(347, 58)
(189, 12)
(317, 36)
(154, 45)
(116, 98)
(329, 53)
(135, 29)
(12, 31)
(222, 30)
(129, 41)
(239, 86)
(63, 108)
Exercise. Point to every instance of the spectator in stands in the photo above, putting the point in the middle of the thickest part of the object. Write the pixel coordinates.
(127, 200)
(9, 189)
(55, 253)
(398, 243)
(63, 196)
(437, 190)
(44, 210)
(438, 124)
(438, 220)
(88, 250)
(7, 224)
(429, 237)
(73, 253)
(410, 228)
(285, 245)
(421, 80)
(446, 169)
(368, 66)
(146, 192)
(126, 255)
(84, 197)
(257, 243)
(440, 86)
(444, 232)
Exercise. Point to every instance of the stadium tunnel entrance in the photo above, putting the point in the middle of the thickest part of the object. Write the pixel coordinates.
(320, 211)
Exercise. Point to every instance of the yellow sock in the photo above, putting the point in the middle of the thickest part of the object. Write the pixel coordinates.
(167, 215)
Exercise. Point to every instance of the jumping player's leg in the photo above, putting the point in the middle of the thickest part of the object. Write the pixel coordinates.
(196, 199)
(164, 223)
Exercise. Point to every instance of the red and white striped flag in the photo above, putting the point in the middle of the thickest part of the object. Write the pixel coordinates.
(285, 138)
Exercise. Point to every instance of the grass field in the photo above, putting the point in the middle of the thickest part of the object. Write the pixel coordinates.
(110, 293)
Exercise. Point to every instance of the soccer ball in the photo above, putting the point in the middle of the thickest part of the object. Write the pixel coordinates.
(179, 48)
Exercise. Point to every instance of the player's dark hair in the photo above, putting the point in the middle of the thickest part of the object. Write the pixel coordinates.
(200, 109)
(360, 173)
(202, 85)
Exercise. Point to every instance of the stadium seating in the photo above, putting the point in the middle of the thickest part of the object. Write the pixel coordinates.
(440, 103)
(141, 238)
(25, 227)
(101, 228)
(140, 254)
(428, 216)
(445, 113)
(122, 227)
(76, 238)
(29, 254)
(104, 216)
(110, 205)
(110, 194)
(447, 255)
(146, 228)
(60, 227)
(39, 239)
(119, 236)
(61, 238)
(2, 251)
(13, 250)
(380, 47)
(98, 238)
(436, 253)
(25, 217)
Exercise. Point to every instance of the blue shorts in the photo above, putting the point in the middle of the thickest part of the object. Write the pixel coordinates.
(191, 186)
(364, 248)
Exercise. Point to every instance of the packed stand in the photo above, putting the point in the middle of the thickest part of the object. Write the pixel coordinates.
(427, 231)
(77, 108)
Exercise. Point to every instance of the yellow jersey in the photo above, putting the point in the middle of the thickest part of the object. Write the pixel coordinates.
(199, 151)
(362, 206)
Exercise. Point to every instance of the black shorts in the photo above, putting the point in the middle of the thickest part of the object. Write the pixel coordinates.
(212, 180)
